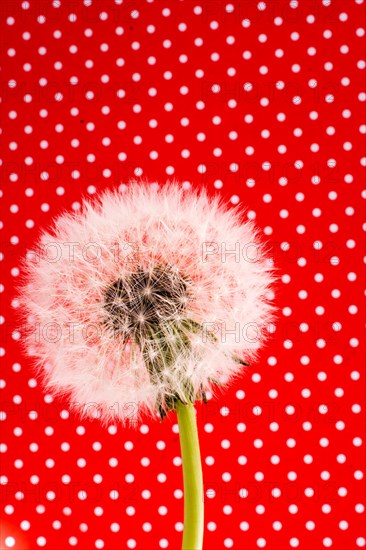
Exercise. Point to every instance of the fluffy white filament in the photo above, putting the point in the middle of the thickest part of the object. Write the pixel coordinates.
(145, 295)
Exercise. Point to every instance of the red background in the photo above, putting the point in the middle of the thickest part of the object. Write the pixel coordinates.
(284, 468)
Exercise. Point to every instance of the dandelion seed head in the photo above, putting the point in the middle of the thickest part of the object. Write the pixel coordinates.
(145, 297)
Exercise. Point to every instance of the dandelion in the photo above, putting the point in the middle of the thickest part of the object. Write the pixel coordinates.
(142, 302)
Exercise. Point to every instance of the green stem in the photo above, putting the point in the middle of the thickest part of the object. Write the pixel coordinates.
(192, 477)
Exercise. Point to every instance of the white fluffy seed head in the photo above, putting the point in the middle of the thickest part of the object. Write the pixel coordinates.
(144, 297)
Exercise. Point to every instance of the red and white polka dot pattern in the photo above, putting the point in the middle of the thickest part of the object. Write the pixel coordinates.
(262, 102)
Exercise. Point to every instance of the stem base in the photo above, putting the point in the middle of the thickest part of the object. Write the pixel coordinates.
(192, 477)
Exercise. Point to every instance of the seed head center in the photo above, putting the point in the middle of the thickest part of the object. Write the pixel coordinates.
(145, 300)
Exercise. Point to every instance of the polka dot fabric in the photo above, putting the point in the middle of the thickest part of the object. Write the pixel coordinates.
(262, 102)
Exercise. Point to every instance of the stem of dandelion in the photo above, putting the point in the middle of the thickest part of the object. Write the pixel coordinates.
(192, 477)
